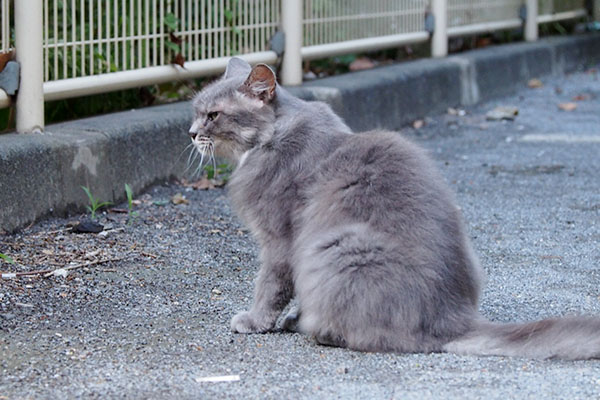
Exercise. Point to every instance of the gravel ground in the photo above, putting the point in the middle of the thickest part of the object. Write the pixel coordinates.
(155, 320)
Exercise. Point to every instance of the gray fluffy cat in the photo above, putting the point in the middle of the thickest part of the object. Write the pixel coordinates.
(360, 228)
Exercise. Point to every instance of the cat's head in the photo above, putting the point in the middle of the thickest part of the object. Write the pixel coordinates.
(235, 113)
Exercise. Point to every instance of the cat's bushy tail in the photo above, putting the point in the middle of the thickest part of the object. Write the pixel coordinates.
(570, 338)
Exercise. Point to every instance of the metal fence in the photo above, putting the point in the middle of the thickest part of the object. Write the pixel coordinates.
(338, 20)
(85, 46)
(469, 12)
(85, 38)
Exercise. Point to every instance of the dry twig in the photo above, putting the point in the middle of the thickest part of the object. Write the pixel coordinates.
(50, 272)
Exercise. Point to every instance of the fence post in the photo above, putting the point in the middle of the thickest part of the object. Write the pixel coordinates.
(29, 25)
(291, 21)
(439, 41)
(596, 10)
(531, 25)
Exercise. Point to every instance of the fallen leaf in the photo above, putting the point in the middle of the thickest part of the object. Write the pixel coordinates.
(502, 112)
(361, 63)
(567, 106)
(179, 59)
(418, 124)
(6, 57)
(535, 83)
(203, 184)
(218, 182)
(581, 97)
(483, 42)
(179, 199)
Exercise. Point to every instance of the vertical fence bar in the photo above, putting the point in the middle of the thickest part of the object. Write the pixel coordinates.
(82, 34)
(221, 29)
(5, 25)
(47, 50)
(439, 41)
(196, 31)
(291, 20)
(98, 48)
(597, 10)
(55, 40)
(531, 25)
(109, 38)
(154, 33)
(140, 34)
(91, 36)
(190, 30)
(73, 39)
(65, 40)
(29, 23)
(116, 15)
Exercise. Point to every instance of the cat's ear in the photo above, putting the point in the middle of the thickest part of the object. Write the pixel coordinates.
(237, 67)
(261, 83)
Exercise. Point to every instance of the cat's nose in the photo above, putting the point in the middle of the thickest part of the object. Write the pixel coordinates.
(193, 132)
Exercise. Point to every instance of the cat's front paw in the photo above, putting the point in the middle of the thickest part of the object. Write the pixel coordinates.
(245, 322)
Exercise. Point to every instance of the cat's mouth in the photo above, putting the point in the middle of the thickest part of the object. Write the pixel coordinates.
(205, 147)
(201, 140)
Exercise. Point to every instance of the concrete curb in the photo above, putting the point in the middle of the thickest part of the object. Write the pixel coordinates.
(392, 96)
(41, 175)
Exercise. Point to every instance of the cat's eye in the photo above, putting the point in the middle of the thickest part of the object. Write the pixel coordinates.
(211, 116)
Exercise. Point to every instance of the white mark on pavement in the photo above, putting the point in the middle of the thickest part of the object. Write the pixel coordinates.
(224, 378)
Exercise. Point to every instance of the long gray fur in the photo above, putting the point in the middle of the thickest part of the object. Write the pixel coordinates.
(360, 228)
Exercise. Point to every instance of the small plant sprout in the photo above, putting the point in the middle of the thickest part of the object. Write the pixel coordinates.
(94, 203)
(6, 258)
(129, 193)
(222, 170)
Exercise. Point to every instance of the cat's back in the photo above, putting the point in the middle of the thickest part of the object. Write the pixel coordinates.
(379, 176)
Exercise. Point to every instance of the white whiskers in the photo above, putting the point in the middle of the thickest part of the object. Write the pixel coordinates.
(205, 148)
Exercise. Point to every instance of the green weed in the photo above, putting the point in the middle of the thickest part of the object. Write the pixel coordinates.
(222, 171)
(95, 204)
(129, 193)
(6, 258)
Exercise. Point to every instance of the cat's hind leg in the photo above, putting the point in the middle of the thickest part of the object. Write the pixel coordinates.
(290, 321)
(330, 340)
(290, 324)
(355, 292)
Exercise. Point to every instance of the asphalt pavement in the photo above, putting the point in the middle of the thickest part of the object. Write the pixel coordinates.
(154, 321)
